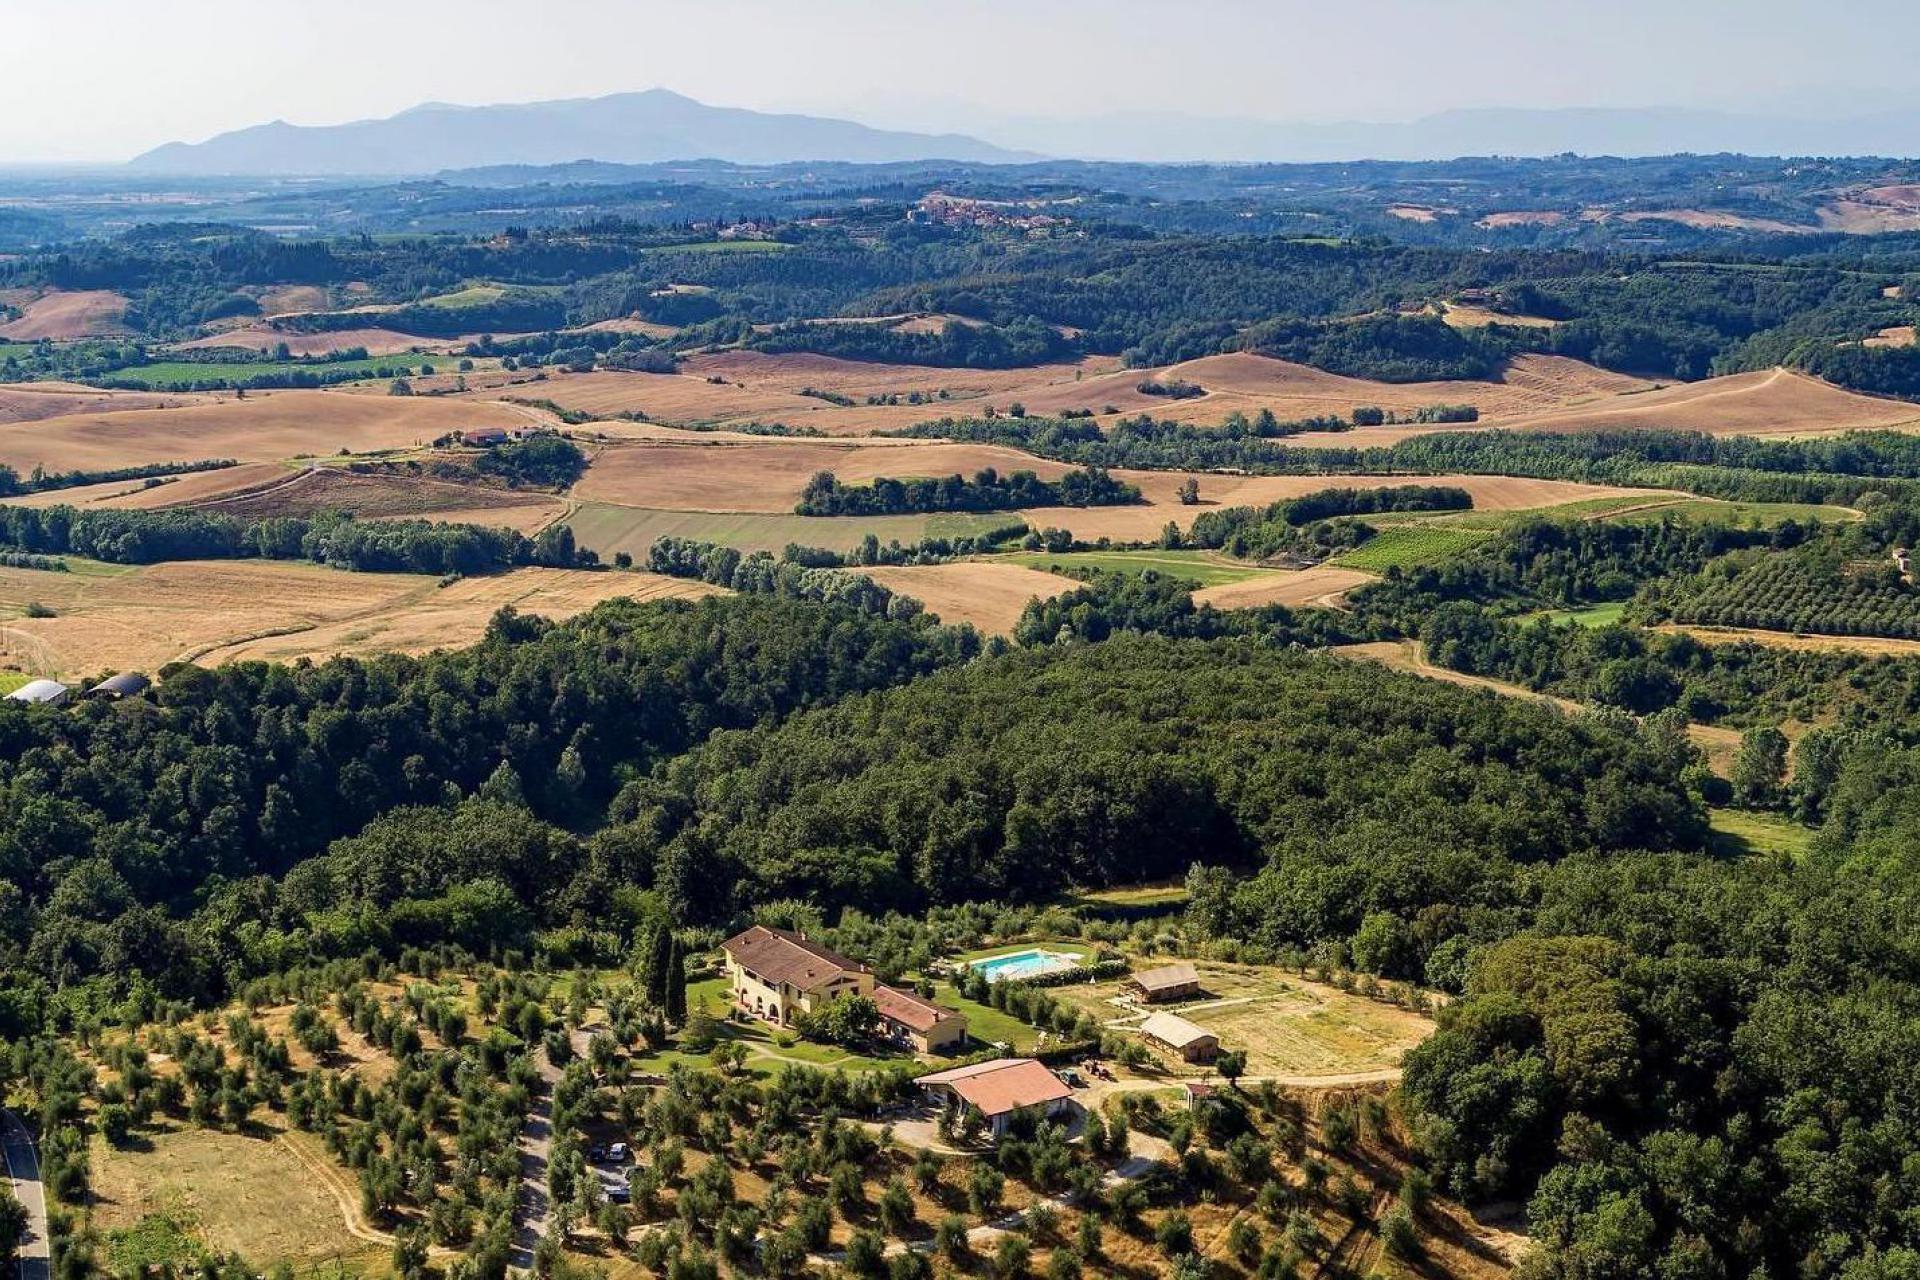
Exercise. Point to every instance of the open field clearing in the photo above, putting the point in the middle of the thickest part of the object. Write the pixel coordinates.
(607, 528)
(988, 593)
(62, 316)
(378, 342)
(452, 617)
(240, 1194)
(1465, 316)
(1143, 522)
(190, 489)
(140, 618)
(1205, 567)
(768, 475)
(1901, 335)
(264, 427)
(1772, 402)
(1744, 831)
(1413, 545)
(1323, 586)
(285, 299)
(37, 401)
(1289, 1026)
(266, 489)
(1877, 645)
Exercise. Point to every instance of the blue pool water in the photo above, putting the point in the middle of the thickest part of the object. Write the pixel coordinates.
(1023, 964)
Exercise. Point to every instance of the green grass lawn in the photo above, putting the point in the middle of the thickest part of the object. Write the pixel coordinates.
(1204, 567)
(986, 1024)
(1412, 546)
(1742, 831)
(1600, 615)
(474, 295)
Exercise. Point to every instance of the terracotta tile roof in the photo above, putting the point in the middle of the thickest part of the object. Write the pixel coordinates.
(1171, 1028)
(776, 956)
(910, 1010)
(1003, 1085)
(1173, 975)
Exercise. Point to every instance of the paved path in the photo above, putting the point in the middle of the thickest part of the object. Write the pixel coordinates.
(535, 1209)
(23, 1170)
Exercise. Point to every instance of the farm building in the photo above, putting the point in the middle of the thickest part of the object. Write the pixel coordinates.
(919, 1024)
(484, 436)
(1173, 982)
(128, 684)
(49, 693)
(1178, 1036)
(775, 975)
(1001, 1089)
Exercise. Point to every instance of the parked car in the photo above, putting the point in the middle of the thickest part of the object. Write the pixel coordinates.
(618, 1153)
(619, 1193)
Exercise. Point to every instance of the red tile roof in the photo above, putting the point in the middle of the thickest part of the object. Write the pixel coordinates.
(910, 1010)
(776, 956)
(1003, 1085)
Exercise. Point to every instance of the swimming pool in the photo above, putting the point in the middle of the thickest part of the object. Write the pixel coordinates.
(1030, 963)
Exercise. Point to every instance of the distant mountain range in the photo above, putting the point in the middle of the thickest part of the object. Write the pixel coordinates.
(659, 126)
(1627, 132)
(626, 128)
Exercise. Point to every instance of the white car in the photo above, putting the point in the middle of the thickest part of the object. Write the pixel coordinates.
(618, 1153)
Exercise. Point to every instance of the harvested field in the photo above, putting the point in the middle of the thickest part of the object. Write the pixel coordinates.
(264, 427)
(1322, 586)
(1462, 316)
(988, 594)
(457, 615)
(284, 299)
(1710, 220)
(378, 342)
(62, 316)
(768, 474)
(376, 496)
(1898, 336)
(1522, 218)
(1876, 645)
(758, 387)
(1143, 522)
(111, 617)
(191, 489)
(38, 401)
(242, 1195)
(608, 528)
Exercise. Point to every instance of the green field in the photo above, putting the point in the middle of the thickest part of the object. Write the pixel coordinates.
(1742, 831)
(1762, 515)
(1204, 567)
(1412, 546)
(1599, 615)
(607, 527)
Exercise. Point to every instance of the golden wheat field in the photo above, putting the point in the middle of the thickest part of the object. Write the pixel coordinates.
(112, 617)
(988, 594)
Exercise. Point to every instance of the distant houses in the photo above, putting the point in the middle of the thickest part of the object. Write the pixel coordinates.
(776, 976)
(1173, 982)
(1187, 1041)
(1000, 1090)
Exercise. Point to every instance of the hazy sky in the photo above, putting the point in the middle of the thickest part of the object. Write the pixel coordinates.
(104, 79)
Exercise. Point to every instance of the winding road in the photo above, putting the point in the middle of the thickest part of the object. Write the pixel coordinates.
(23, 1171)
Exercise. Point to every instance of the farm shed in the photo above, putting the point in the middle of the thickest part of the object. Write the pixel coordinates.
(1172, 982)
(1176, 1035)
(128, 684)
(46, 692)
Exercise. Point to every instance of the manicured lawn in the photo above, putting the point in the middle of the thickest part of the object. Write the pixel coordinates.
(1204, 567)
(985, 1023)
(1741, 831)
